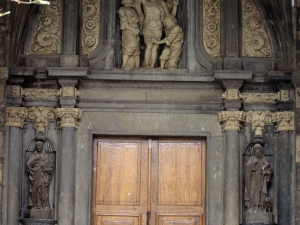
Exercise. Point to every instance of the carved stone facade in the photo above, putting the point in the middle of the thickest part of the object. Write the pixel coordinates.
(41, 115)
(212, 27)
(90, 26)
(259, 119)
(256, 40)
(231, 120)
(68, 117)
(15, 116)
(47, 37)
(34, 93)
(284, 120)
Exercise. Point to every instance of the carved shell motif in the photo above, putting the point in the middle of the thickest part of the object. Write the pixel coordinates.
(256, 42)
(211, 27)
(47, 37)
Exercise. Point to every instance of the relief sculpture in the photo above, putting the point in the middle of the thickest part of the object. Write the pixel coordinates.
(153, 16)
(40, 169)
(258, 177)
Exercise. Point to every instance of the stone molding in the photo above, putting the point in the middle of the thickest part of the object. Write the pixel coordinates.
(15, 116)
(90, 26)
(284, 121)
(41, 116)
(212, 27)
(258, 120)
(255, 38)
(68, 116)
(231, 120)
(47, 36)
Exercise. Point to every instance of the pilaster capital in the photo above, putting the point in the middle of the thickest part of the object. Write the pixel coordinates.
(41, 115)
(232, 89)
(284, 120)
(15, 116)
(258, 120)
(231, 119)
(68, 116)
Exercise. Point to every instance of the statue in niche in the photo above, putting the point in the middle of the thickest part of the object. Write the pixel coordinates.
(173, 40)
(258, 175)
(152, 22)
(129, 20)
(40, 169)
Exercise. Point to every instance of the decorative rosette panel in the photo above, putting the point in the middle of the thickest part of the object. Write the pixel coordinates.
(47, 36)
(211, 27)
(90, 26)
(256, 41)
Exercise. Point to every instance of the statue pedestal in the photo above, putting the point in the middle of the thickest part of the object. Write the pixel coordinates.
(40, 213)
(253, 218)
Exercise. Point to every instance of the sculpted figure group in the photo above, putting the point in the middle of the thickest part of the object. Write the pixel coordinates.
(150, 18)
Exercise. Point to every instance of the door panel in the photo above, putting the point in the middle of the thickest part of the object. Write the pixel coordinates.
(144, 181)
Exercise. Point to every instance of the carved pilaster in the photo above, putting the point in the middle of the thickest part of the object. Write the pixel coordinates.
(68, 116)
(41, 116)
(231, 119)
(15, 116)
(284, 120)
(259, 119)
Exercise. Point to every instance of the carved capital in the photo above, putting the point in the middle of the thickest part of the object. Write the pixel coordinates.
(284, 120)
(44, 94)
(259, 119)
(231, 119)
(68, 116)
(41, 116)
(15, 116)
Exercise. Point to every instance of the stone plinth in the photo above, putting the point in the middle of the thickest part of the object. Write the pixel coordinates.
(40, 214)
(258, 218)
(29, 221)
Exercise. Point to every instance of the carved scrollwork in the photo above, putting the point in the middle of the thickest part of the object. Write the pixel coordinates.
(231, 119)
(41, 116)
(211, 27)
(90, 25)
(46, 94)
(259, 119)
(68, 117)
(284, 120)
(260, 97)
(47, 37)
(15, 116)
(256, 42)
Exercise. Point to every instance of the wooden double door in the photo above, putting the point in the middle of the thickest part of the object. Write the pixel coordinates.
(149, 182)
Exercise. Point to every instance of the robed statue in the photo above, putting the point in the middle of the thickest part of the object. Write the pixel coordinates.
(258, 176)
(40, 169)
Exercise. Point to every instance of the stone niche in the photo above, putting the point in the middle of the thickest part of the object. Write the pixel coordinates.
(107, 55)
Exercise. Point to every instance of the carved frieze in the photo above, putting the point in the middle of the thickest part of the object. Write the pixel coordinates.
(231, 94)
(41, 116)
(231, 119)
(47, 36)
(15, 116)
(90, 26)
(255, 38)
(259, 97)
(44, 94)
(211, 27)
(259, 119)
(69, 92)
(284, 120)
(68, 116)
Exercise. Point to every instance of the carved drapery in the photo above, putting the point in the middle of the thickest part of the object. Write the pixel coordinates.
(211, 27)
(255, 38)
(47, 36)
(15, 116)
(41, 116)
(231, 119)
(259, 119)
(68, 116)
(90, 26)
(284, 120)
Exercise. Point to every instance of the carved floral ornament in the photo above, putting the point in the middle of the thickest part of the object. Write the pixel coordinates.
(68, 117)
(41, 116)
(258, 119)
(211, 27)
(15, 116)
(255, 38)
